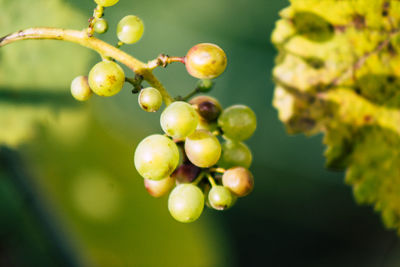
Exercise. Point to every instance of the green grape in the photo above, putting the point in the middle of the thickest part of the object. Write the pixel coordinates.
(206, 125)
(205, 61)
(207, 107)
(239, 180)
(106, 3)
(150, 99)
(186, 203)
(100, 26)
(106, 78)
(205, 86)
(80, 88)
(179, 120)
(220, 198)
(202, 148)
(156, 157)
(238, 122)
(158, 188)
(235, 153)
(130, 29)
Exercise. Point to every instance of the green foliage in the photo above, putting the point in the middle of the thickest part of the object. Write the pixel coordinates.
(33, 80)
(337, 72)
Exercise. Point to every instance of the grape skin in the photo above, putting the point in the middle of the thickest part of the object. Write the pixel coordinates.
(239, 180)
(106, 3)
(130, 29)
(80, 88)
(106, 78)
(179, 120)
(158, 188)
(238, 122)
(150, 99)
(100, 26)
(220, 198)
(235, 153)
(156, 157)
(202, 148)
(205, 61)
(186, 203)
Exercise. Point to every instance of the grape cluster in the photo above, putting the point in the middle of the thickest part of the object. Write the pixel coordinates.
(201, 158)
(190, 160)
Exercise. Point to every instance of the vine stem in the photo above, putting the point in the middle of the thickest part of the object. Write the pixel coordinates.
(104, 49)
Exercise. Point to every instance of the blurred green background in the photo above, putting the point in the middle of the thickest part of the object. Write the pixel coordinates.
(69, 192)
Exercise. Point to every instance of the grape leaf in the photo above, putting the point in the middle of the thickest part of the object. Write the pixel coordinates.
(35, 75)
(338, 72)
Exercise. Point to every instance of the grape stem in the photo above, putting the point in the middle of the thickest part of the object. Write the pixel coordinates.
(211, 180)
(163, 61)
(199, 178)
(136, 82)
(191, 94)
(104, 49)
(219, 170)
(97, 13)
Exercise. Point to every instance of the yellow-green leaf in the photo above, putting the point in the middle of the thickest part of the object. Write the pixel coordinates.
(338, 72)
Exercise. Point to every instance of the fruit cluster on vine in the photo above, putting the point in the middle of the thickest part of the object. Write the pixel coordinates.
(200, 158)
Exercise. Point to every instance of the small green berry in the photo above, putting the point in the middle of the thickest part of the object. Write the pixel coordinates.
(80, 88)
(106, 3)
(186, 203)
(100, 26)
(179, 120)
(202, 148)
(150, 99)
(238, 122)
(130, 29)
(106, 78)
(156, 157)
(205, 86)
(220, 198)
(235, 153)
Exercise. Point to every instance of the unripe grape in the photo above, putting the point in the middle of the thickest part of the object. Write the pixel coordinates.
(179, 120)
(130, 29)
(235, 153)
(205, 85)
(239, 180)
(106, 3)
(205, 61)
(186, 173)
(80, 88)
(238, 122)
(208, 126)
(150, 99)
(208, 107)
(220, 198)
(106, 78)
(156, 157)
(158, 188)
(202, 148)
(186, 203)
(100, 26)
